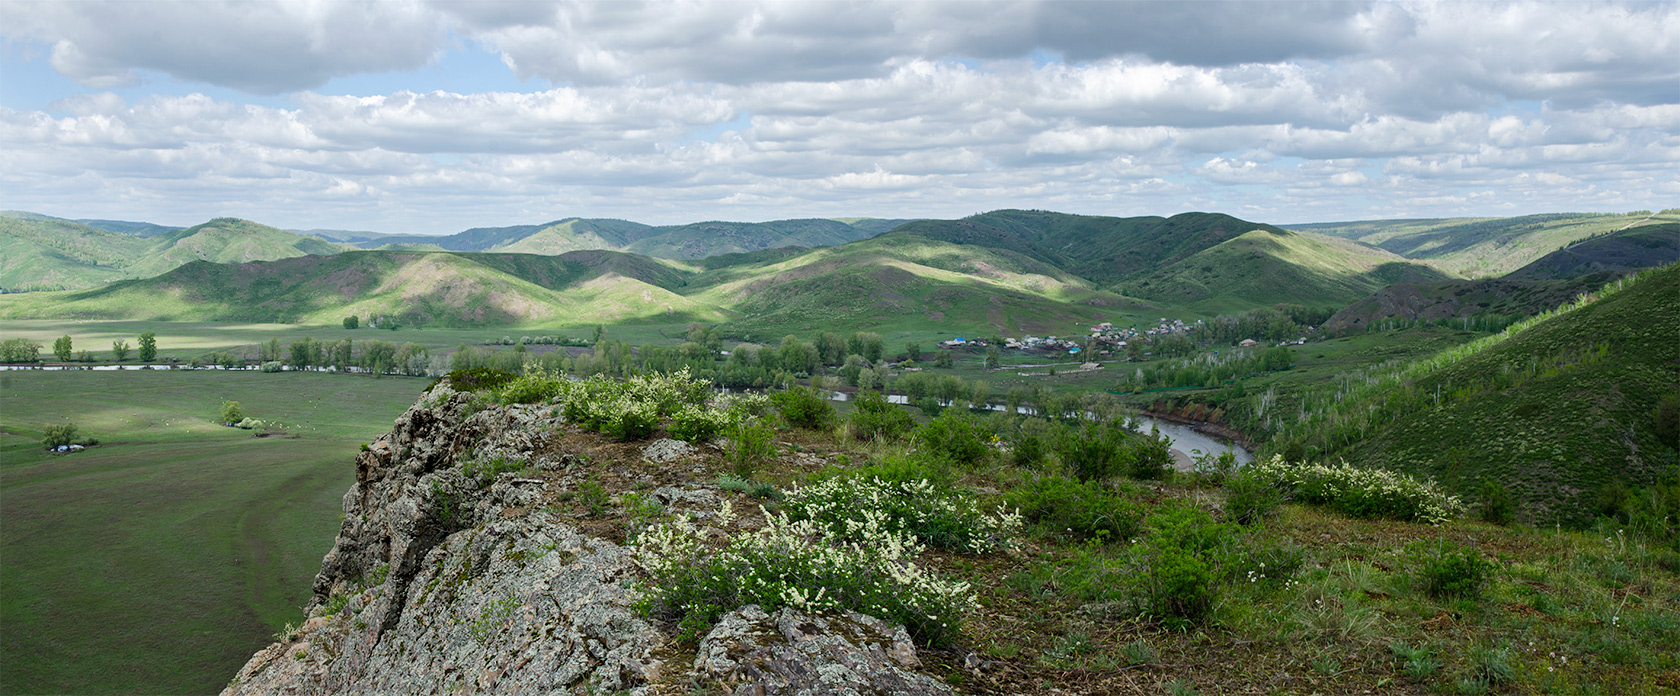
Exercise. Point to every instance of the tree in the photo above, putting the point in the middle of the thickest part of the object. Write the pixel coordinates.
(304, 353)
(913, 351)
(62, 349)
(270, 351)
(17, 350)
(120, 348)
(59, 435)
(232, 413)
(148, 346)
(351, 322)
(600, 333)
(993, 359)
(944, 359)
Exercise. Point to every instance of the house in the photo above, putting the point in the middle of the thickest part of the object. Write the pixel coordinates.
(1248, 342)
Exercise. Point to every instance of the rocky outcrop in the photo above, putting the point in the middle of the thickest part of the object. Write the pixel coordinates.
(791, 653)
(456, 571)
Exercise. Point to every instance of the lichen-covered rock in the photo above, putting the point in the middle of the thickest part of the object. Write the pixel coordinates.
(666, 450)
(445, 579)
(798, 654)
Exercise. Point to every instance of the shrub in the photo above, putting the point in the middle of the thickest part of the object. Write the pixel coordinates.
(799, 564)
(273, 366)
(1027, 450)
(1445, 569)
(1184, 549)
(1150, 457)
(1251, 498)
(479, 378)
(804, 408)
(1213, 468)
(1095, 452)
(231, 412)
(1068, 509)
(629, 419)
(957, 435)
(529, 388)
(933, 514)
(1496, 504)
(750, 446)
(593, 496)
(875, 417)
(699, 423)
(909, 468)
(1371, 493)
(484, 471)
(58, 435)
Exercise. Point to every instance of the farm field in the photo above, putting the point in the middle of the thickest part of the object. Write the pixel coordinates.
(159, 560)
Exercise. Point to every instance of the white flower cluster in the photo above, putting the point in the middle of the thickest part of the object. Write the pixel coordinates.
(1361, 492)
(803, 564)
(944, 518)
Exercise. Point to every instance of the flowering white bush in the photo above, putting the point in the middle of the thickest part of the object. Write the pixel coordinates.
(801, 564)
(933, 514)
(1360, 492)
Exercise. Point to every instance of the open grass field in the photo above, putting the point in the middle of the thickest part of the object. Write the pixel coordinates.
(159, 560)
(183, 340)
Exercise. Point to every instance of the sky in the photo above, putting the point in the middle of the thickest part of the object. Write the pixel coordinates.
(433, 117)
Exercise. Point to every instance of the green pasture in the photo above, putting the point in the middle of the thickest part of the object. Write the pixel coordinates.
(183, 340)
(159, 560)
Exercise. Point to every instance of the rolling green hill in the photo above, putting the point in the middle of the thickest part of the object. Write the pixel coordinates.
(691, 241)
(907, 280)
(1482, 247)
(1558, 411)
(38, 252)
(1614, 253)
(1265, 267)
(442, 289)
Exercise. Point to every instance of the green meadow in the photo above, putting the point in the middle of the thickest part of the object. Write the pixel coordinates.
(159, 560)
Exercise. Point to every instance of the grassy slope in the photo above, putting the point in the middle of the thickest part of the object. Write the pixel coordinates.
(62, 254)
(1545, 283)
(226, 240)
(905, 279)
(1558, 435)
(159, 560)
(1481, 247)
(1262, 268)
(44, 251)
(445, 289)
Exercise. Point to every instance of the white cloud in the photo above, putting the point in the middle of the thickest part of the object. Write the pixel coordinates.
(882, 108)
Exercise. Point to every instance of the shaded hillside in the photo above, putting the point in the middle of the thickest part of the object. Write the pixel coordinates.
(1267, 267)
(690, 241)
(1546, 283)
(1615, 253)
(442, 289)
(703, 239)
(1555, 413)
(1103, 249)
(1456, 299)
(1482, 247)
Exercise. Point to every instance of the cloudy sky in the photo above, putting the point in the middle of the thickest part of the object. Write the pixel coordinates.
(432, 117)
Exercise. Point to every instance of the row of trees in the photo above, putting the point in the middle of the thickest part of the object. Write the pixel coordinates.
(23, 350)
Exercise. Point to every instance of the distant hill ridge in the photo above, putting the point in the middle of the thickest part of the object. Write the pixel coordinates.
(1008, 271)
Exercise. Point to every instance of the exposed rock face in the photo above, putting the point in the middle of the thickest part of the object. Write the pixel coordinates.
(751, 653)
(446, 580)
